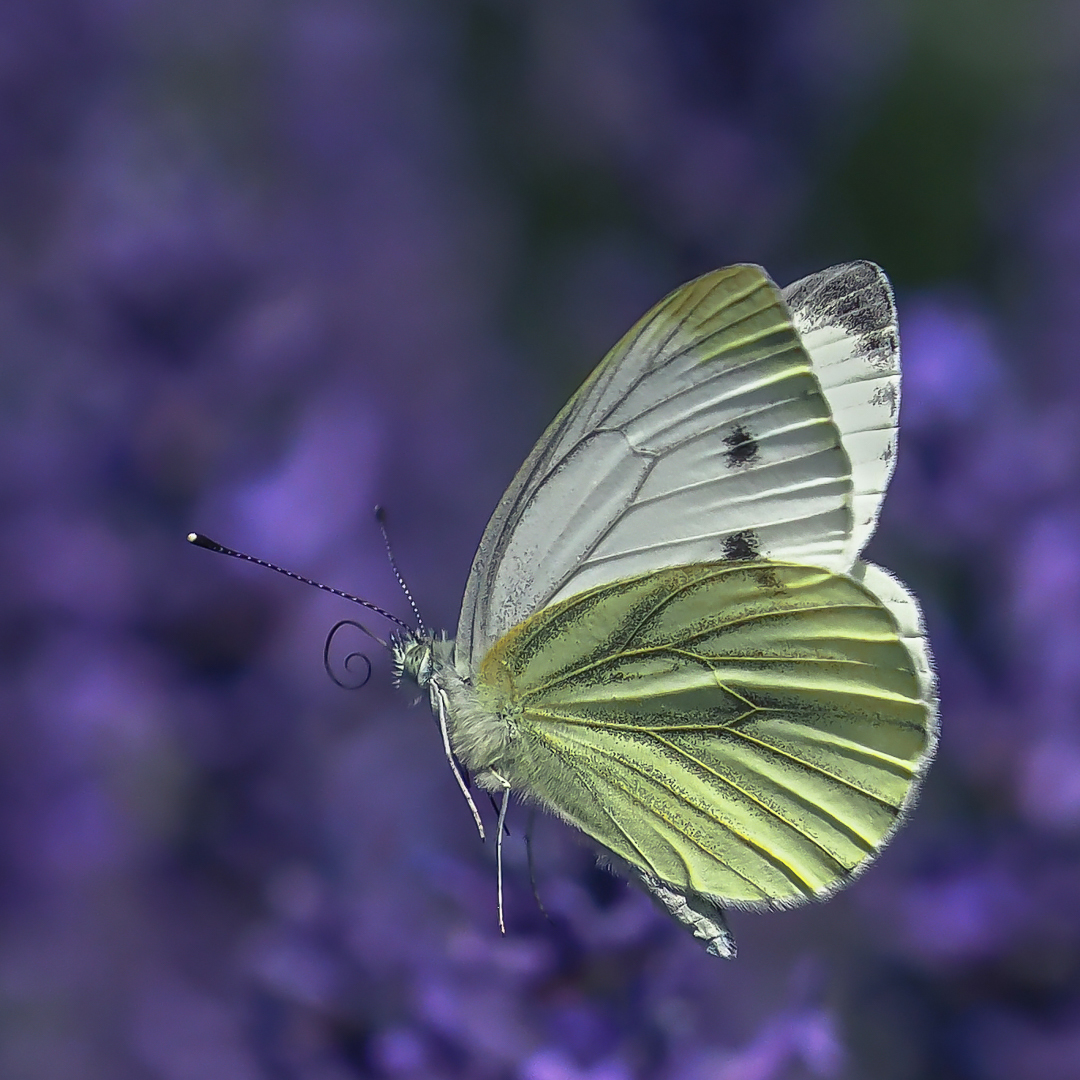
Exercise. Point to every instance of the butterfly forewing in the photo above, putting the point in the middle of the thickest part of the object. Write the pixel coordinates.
(846, 318)
(703, 435)
(746, 731)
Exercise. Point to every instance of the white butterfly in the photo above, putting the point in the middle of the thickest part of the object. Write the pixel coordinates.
(737, 436)
(668, 637)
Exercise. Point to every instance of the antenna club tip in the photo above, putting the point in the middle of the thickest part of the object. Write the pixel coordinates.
(202, 541)
(380, 513)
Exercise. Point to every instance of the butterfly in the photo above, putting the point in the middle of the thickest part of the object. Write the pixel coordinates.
(668, 638)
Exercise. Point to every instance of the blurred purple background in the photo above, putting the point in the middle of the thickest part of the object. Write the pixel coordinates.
(263, 265)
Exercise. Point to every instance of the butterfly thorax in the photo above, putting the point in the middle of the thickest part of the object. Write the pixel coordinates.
(478, 719)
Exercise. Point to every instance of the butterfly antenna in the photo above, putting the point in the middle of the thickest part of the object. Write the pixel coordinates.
(212, 545)
(380, 517)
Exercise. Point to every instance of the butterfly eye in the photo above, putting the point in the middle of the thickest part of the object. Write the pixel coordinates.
(412, 659)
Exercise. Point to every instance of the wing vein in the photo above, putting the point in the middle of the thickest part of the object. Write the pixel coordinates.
(750, 796)
(815, 768)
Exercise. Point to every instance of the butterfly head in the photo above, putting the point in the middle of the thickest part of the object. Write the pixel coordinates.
(413, 658)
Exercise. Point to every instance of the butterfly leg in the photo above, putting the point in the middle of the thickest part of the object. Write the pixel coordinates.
(439, 700)
(499, 844)
(495, 807)
(532, 865)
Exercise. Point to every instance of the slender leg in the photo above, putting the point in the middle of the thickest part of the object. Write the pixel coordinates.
(498, 849)
(440, 700)
(532, 865)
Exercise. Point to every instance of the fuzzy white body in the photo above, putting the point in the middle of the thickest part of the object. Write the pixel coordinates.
(480, 730)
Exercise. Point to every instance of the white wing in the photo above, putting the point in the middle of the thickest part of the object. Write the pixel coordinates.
(703, 435)
(904, 609)
(847, 320)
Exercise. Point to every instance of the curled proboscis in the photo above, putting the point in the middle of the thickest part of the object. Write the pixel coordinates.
(348, 662)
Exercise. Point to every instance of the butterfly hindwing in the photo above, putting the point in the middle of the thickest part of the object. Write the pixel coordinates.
(907, 615)
(747, 732)
(703, 918)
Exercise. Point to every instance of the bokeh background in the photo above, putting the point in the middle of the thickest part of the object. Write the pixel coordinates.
(266, 264)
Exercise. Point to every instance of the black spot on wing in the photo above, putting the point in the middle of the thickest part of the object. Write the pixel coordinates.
(742, 448)
(741, 546)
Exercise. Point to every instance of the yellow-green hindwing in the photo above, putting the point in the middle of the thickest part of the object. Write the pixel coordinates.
(750, 731)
